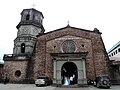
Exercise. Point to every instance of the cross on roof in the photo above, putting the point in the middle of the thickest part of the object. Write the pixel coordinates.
(33, 5)
(68, 23)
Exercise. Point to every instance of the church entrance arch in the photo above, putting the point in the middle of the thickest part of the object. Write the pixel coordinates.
(67, 65)
(69, 71)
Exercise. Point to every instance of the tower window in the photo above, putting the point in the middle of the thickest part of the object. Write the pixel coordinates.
(27, 17)
(22, 48)
(33, 17)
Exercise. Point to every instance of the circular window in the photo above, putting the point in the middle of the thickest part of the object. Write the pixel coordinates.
(68, 46)
(18, 73)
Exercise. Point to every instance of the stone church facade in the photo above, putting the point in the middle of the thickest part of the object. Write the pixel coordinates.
(57, 54)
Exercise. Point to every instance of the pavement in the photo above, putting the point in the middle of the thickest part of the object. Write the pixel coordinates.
(23, 87)
(33, 87)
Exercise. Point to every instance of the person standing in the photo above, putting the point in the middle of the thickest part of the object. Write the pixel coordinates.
(66, 81)
(71, 80)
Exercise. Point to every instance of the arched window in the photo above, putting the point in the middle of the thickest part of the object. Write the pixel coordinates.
(27, 17)
(33, 17)
(22, 48)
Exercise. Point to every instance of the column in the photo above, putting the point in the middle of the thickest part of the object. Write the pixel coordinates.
(80, 72)
(58, 72)
(54, 73)
(84, 72)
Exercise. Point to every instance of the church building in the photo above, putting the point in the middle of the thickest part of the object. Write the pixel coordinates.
(64, 52)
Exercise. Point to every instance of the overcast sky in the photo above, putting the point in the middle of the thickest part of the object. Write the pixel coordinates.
(86, 14)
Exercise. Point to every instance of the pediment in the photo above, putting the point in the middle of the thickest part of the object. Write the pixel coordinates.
(71, 31)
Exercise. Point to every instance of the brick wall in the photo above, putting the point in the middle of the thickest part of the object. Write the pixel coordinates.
(96, 60)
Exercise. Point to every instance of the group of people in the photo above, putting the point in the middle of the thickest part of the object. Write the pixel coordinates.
(69, 80)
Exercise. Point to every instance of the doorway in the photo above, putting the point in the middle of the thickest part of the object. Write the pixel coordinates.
(69, 71)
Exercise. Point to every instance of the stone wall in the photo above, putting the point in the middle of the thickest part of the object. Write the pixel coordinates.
(40, 59)
(15, 70)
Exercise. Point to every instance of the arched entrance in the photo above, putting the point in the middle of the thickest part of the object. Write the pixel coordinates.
(69, 71)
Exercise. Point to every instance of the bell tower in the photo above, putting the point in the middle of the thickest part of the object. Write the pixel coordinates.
(28, 28)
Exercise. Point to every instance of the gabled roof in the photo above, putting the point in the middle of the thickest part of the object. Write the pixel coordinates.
(68, 26)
